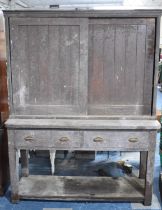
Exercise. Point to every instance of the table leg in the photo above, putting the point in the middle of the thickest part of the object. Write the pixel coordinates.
(150, 169)
(142, 169)
(52, 158)
(14, 167)
(24, 162)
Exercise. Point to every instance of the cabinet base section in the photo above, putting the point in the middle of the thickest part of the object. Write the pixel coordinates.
(82, 188)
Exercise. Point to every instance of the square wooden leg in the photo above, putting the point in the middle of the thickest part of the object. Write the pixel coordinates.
(14, 168)
(24, 162)
(150, 170)
(52, 159)
(142, 168)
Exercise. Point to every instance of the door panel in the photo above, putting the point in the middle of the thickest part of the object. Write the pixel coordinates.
(48, 60)
(121, 54)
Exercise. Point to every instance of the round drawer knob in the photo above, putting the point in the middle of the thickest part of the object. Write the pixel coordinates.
(98, 139)
(64, 139)
(133, 140)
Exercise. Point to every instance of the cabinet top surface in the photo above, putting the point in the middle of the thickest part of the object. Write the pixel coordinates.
(83, 124)
(105, 12)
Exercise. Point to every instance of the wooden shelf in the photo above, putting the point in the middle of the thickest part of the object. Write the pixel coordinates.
(81, 188)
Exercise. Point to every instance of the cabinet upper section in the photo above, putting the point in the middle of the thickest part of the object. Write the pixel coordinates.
(81, 65)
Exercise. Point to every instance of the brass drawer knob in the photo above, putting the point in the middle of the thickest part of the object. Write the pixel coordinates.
(64, 139)
(29, 138)
(133, 140)
(98, 139)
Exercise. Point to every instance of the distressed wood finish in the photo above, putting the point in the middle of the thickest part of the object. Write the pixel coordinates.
(118, 81)
(84, 81)
(118, 140)
(150, 170)
(50, 73)
(143, 161)
(82, 188)
(14, 168)
(47, 139)
(84, 124)
(116, 72)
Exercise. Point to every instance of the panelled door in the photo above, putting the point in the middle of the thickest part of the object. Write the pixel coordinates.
(49, 65)
(79, 66)
(121, 60)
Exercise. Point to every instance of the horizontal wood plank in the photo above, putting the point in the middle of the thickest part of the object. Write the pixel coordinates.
(83, 124)
(82, 188)
(87, 13)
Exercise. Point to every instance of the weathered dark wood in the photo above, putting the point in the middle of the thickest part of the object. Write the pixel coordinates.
(149, 64)
(116, 72)
(53, 52)
(143, 162)
(3, 92)
(81, 188)
(150, 170)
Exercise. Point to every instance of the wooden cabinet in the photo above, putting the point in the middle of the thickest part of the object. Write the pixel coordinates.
(82, 80)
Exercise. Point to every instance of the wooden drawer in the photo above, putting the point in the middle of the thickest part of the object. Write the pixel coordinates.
(116, 140)
(47, 138)
(67, 139)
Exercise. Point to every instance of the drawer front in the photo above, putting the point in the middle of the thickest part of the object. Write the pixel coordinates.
(47, 138)
(116, 140)
(67, 139)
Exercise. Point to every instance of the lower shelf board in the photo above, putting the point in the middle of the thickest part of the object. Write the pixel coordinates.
(81, 188)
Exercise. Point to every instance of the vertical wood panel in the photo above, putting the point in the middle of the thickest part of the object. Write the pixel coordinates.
(44, 88)
(15, 64)
(140, 63)
(90, 63)
(109, 63)
(96, 75)
(130, 66)
(33, 70)
(23, 61)
(119, 76)
(63, 60)
(53, 65)
(74, 65)
(149, 65)
(83, 71)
